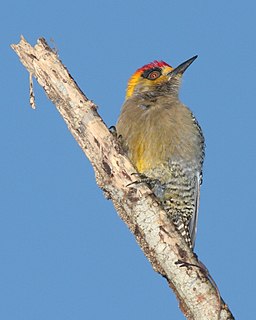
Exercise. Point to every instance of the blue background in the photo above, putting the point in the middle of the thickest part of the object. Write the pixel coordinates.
(64, 253)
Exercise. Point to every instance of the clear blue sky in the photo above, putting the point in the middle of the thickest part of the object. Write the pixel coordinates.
(65, 254)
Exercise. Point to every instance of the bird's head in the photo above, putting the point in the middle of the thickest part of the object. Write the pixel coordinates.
(157, 76)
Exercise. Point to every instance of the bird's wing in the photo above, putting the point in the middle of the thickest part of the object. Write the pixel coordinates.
(194, 218)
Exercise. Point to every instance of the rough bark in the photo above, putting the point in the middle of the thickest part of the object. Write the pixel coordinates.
(198, 296)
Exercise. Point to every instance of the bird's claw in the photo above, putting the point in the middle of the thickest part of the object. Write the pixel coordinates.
(143, 179)
(112, 130)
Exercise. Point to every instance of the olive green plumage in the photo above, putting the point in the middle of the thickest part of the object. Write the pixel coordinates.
(164, 142)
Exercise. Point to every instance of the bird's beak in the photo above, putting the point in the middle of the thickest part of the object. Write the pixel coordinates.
(182, 67)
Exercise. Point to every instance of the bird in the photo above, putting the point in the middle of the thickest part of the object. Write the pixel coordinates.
(164, 142)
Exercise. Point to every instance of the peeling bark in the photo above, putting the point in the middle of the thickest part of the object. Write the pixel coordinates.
(198, 296)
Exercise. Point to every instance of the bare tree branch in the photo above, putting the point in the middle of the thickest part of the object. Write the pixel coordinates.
(139, 209)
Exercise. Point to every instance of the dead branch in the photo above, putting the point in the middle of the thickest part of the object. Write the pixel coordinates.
(137, 207)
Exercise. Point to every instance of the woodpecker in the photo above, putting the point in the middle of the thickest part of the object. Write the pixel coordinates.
(164, 142)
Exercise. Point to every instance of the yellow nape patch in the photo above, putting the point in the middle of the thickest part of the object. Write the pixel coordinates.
(133, 81)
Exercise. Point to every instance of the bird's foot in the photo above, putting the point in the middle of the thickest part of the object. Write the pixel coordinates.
(142, 178)
(181, 264)
(112, 130)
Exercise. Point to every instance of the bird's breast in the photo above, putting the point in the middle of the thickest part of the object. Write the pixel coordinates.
(159, 133)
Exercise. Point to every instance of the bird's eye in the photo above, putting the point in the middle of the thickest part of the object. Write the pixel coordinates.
(154, 75)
